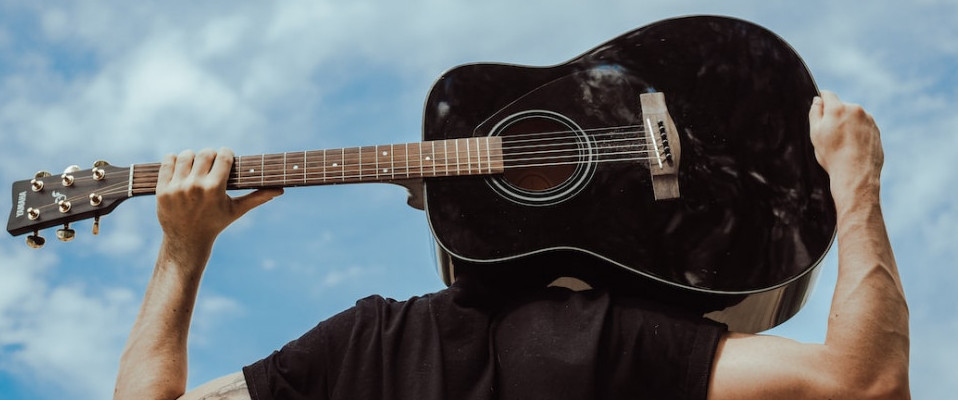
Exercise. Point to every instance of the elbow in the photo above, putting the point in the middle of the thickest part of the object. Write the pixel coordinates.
(888, 387)
(890, 384)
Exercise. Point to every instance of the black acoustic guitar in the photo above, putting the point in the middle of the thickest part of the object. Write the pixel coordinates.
(678, 151)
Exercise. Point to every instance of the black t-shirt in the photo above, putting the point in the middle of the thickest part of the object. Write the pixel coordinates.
(464, 343)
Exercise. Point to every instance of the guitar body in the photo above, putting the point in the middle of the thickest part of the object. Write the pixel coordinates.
(755, 215)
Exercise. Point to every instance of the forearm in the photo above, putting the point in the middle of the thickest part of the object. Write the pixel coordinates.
(154, 362)
(868, 323)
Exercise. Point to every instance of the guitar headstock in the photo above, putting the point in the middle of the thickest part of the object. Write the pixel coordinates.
(51, 200)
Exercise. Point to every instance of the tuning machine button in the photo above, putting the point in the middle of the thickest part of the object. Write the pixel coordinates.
(96, 225)
(66, 234)
(37, 182)
(36, 241)
(99, 173)
(67, 176)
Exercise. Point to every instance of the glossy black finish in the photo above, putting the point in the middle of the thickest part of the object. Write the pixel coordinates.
(755, 213)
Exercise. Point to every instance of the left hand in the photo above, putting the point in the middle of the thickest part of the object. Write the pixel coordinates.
(192, 204)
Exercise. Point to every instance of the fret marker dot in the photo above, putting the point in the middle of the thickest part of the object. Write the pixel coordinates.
(296, 167)
(335, 164)
(385, 153)
(252, 170)
(428, 158)
(385, 170)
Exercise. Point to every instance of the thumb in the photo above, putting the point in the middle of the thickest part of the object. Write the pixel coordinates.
(245, 203)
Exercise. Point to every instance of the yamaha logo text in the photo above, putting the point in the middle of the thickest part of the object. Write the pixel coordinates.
(21, 203)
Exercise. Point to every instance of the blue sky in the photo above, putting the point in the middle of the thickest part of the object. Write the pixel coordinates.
(130, 81)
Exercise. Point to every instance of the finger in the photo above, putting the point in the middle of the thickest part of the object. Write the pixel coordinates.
(816, 110)
(222, 166)
(242, 204)
(203, 162)
(166, 172)
(184, 164)
(831, 102)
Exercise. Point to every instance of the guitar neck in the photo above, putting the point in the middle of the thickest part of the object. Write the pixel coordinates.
(384, 163)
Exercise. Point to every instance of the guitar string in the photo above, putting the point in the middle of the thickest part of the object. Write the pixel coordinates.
(148, 185)
(147, 174)
(631, 147)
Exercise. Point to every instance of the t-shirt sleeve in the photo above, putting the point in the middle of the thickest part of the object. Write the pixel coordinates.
(308, 367)
(299, 369)
(380, 348)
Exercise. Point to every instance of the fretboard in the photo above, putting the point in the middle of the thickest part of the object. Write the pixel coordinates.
(384, 163)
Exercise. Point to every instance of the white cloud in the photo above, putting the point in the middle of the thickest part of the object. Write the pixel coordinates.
(65, 337)
(171, 75)
(337, 277)
(211, 311)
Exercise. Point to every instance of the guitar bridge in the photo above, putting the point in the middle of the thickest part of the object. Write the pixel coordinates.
(664, 148)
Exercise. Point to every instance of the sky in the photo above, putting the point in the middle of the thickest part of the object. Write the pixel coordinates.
(128, 82)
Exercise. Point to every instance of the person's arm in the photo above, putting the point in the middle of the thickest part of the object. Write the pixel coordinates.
(865, 354)
(193, 208)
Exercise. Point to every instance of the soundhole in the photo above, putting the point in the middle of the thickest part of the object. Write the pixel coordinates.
(548, 158)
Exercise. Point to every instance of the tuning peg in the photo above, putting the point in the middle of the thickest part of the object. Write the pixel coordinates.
(99, 173)
(67, 177)
(66, 234)
(37, 182)
(96, 225)
(35, 240)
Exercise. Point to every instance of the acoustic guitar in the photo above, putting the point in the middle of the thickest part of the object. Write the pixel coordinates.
(678, 152)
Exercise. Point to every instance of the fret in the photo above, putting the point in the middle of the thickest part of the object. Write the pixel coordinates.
(417, 158)
(294, 169)
(347, 165)
(332, 163)
(392, 162)
(386, 162)
(262, 167)
(455, 146)
(359, 164)
(406, 152)
(445, 152)
(243, 173)
(368, 162)
(478, 156)
(380, 169)
(239, 171)
(314, 167)
(430, 159)
(468, 159)
(488, 156)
